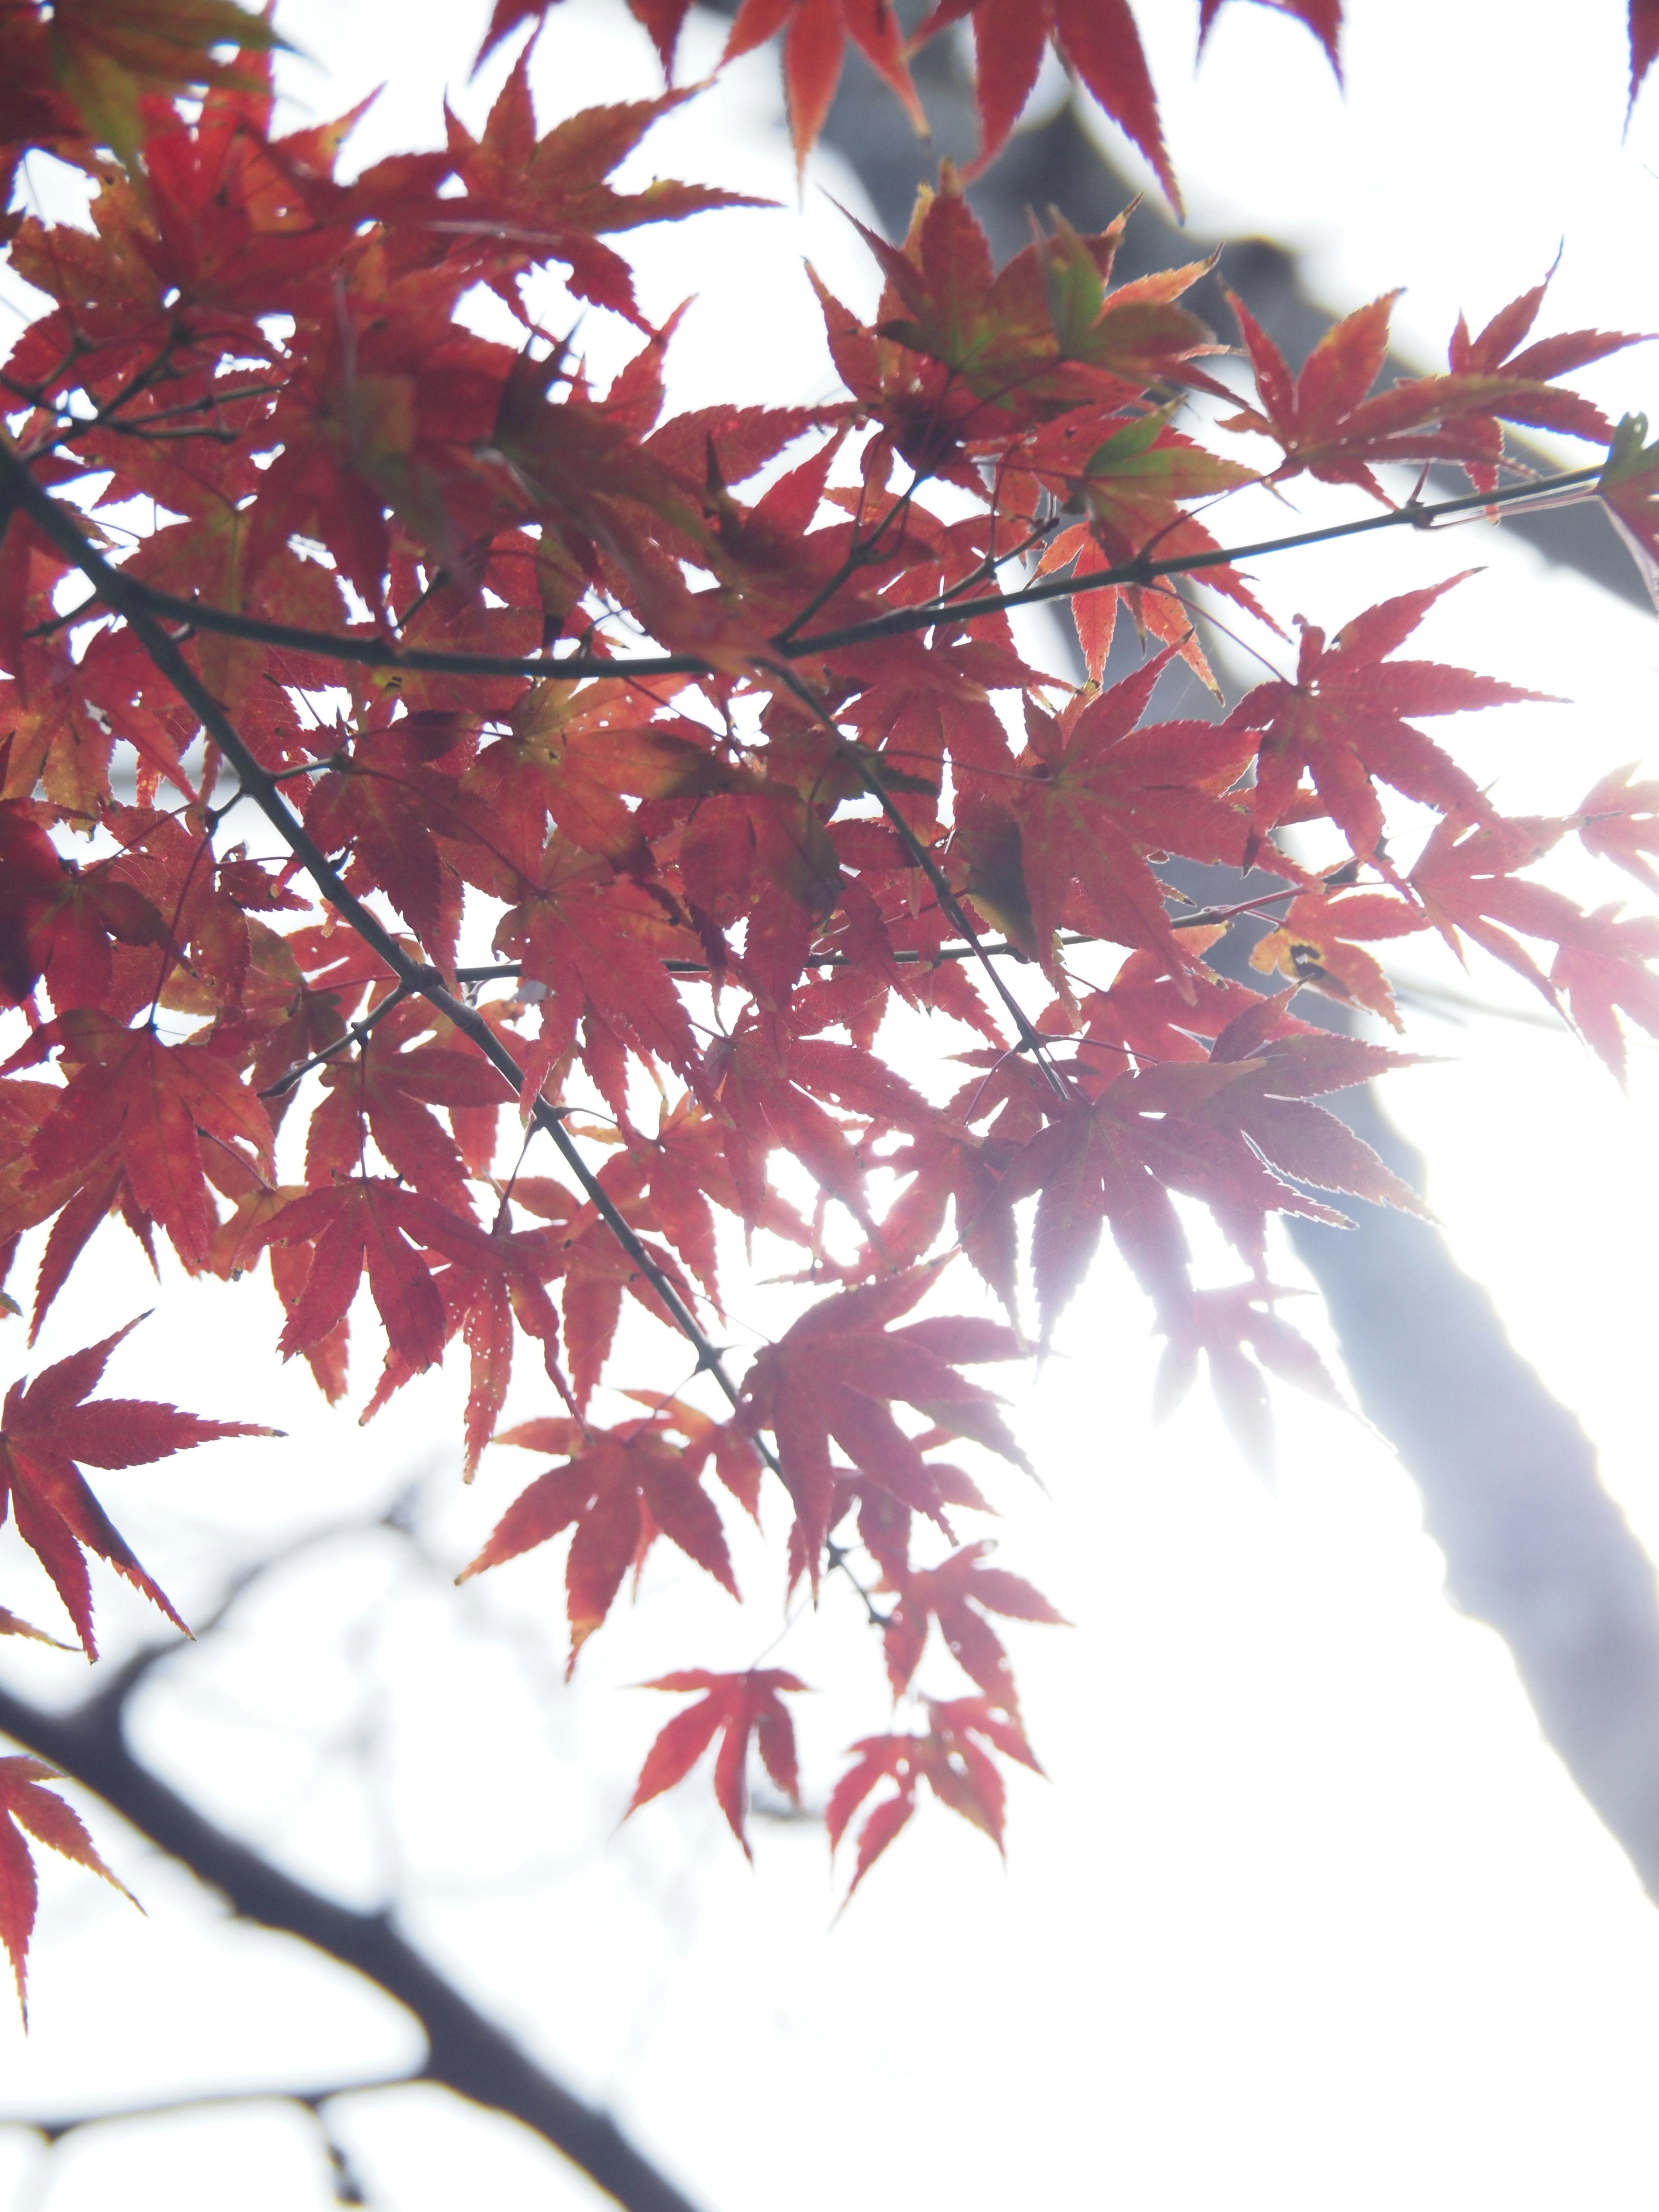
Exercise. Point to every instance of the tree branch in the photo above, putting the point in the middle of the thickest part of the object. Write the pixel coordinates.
(259, 784)
(375, 653)
(465, 2051)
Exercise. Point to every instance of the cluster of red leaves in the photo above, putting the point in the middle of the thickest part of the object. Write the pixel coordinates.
(707, 874)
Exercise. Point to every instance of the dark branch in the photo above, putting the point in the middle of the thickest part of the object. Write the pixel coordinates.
(376, 653)
(465, 2052)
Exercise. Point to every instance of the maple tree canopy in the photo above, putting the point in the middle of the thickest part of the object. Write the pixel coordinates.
(464, 830)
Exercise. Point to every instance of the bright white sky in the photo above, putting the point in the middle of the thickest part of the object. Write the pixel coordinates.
(1307, 1915)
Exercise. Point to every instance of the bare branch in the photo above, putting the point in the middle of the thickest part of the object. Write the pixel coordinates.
(465, 2051)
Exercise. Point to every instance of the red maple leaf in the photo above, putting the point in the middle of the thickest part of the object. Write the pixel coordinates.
(1494, 352)
(370, 1221)
(958, 1594)
(952, 1758)
(835, 1375)
(1096, 39)
(44, 1428)
(738, 1707)
(1466, 878)
(1317, 943)
(1097, 795)
(620, 1488)
(150, 1103)
(1343, 721)
(27, 1806)
(1329, 420)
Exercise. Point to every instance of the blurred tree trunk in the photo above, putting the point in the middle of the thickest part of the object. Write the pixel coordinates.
(1534, 1545)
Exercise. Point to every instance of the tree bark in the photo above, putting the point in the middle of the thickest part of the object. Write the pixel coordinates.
(1534, 1545)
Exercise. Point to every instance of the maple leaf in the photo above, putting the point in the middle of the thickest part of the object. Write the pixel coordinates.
(548, 194)
(739, 1709)
(86, 71)
(1132, 483)
(1316, 943)
(1097, 795)
(390, 1086)
(1329, 422)
(621, 1488)
(367, 1221)
(835, 1373)
(952, 1758)
(1629, 489)
(28, 1808)
(149, 1102)
(1603, 967)
(1344, 721)
(768, 1085)
(1228, 1326)
(1216, 1130)
(490, 1297)
(814, 45)
(1011, 347)
(1619, 820)
(958, 1594)
(1493, 352)
(1096, 39)
(1466, 878)
(46, 1427)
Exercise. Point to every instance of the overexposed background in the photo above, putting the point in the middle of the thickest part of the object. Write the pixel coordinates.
(1307, 1914)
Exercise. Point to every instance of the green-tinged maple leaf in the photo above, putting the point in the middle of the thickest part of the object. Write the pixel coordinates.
(46, 1427)
(952, 1757)
(1131, 483)
(1045, 333)
(1344, 721)
(834, 1376)
(620, 1488)
(740, 1709)
(84, 69)
(28, 1808)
